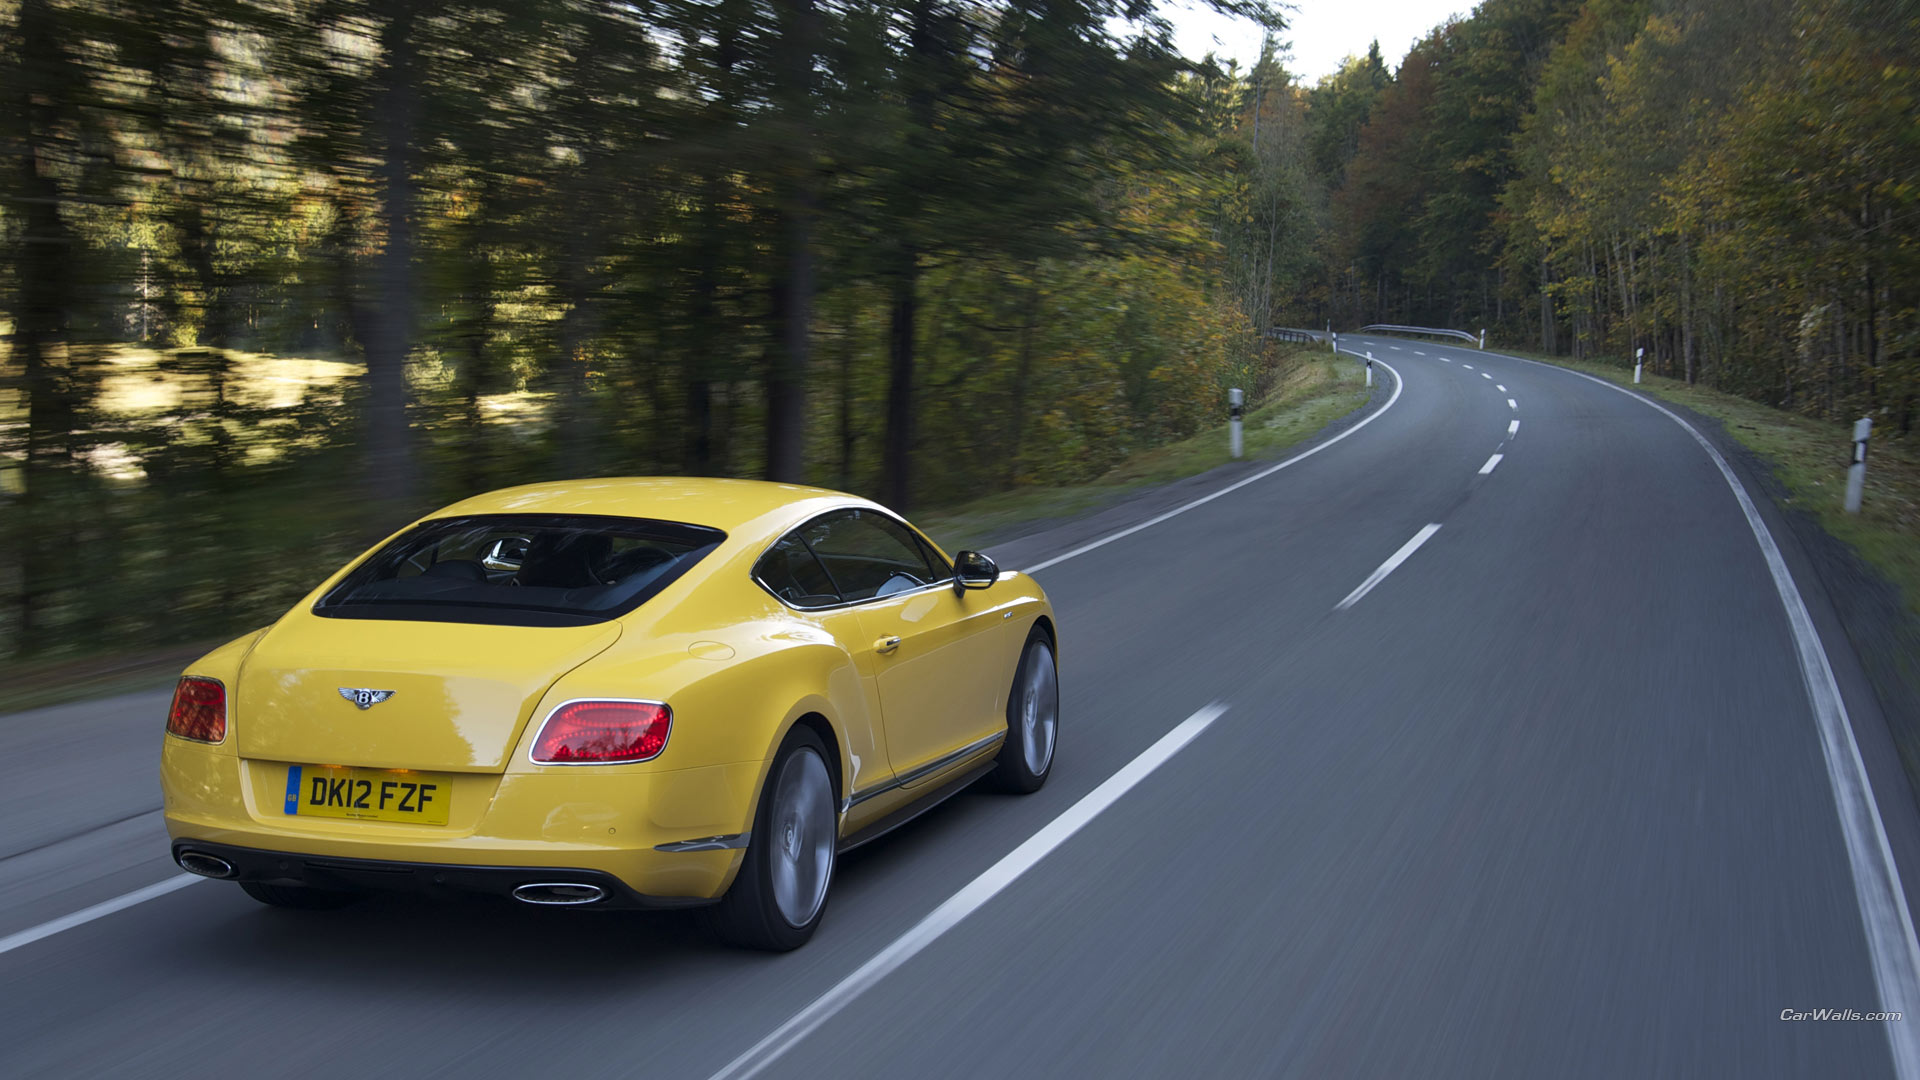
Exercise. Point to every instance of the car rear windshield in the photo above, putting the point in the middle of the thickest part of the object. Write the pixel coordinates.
(520, 570)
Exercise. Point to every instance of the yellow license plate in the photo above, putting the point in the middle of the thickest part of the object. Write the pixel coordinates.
(368, 794)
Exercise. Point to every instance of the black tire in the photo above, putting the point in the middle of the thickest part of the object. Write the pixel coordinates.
(298, 897)
(750, 914)
(1036, 686)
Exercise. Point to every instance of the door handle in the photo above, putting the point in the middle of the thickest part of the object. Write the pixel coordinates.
(887, 644)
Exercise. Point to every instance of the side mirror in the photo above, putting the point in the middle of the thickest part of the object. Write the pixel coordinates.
(972, 570)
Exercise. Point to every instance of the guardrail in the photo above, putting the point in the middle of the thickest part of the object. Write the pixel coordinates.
(1304, 337)
(1481, 341)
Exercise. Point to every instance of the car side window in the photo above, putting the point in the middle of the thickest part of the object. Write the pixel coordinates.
(869, 554)
(794, 575)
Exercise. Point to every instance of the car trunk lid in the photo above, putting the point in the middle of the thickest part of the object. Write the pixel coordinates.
(460, 693)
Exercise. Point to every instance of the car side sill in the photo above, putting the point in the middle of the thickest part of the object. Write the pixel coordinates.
(924, 771)
(914, 809)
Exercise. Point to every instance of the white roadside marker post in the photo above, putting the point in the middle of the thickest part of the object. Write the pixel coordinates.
(1234, 400)
(1369, 367)
(1857, 468)
(1483, 339)
(1335, 338)
(1637, 353)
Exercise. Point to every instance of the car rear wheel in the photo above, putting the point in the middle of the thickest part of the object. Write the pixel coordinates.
(301, 897)
(1033, 719)
(780, 893)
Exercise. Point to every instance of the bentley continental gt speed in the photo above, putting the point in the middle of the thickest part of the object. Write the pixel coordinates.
(635, 693)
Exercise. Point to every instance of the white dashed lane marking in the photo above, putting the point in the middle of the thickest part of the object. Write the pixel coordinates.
(1484, 375)
(1387, 567)
(1500, 388)
(1491, 462)
(1511, 404)
(1513, 428)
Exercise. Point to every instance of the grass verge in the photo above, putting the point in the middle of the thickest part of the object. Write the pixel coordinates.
(1318, 391)
(1809, 457)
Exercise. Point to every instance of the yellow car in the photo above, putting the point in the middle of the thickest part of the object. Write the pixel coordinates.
(619, 692)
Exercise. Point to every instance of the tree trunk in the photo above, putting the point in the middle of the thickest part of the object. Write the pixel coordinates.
(793, 292)
(474, 466)
(1871, 351)
(196, 247)
(896, 483)
(1263, 318)
(1686, 305)
(473, 332)
(696, 449)
(392, 479)
(42, 254)
(696, 455)
(1626, 304)
(790, 349)
(849, 438)
(1022, 376)
(1548, 344)
(577, 436)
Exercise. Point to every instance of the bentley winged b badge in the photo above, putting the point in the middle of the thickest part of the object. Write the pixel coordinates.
(364, 698)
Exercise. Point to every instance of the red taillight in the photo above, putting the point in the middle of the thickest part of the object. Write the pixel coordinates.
(199, 710)
(603, 733)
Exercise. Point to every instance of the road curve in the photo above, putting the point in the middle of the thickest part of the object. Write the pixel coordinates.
(1546, 797)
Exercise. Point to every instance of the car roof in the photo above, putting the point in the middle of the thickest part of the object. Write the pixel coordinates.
(729, 505)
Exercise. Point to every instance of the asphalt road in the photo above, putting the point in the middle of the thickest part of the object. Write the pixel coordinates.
(1549, 799)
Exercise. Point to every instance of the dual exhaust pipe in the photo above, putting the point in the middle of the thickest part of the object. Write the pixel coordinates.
(542, 893)
(559, 893)
(199, 862)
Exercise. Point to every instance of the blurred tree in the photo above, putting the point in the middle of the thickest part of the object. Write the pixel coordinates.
(790, 343)
(266, 261)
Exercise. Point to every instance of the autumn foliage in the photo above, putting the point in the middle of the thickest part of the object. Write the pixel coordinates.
(1729, 186)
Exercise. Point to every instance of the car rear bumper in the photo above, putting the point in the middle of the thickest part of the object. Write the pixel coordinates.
(442, 880)
(645, 828)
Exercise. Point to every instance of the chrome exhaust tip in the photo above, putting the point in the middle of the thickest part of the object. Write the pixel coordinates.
(559, 893)
(199, 862)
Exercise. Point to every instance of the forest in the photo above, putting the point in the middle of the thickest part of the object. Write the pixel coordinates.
(278, 275)
(1729, 185)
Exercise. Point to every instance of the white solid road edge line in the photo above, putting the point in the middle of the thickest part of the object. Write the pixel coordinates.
(969, 899)
(1398, 384)
(1876, 878)
(87, 915)
(1388, 567)
(1491, 462)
